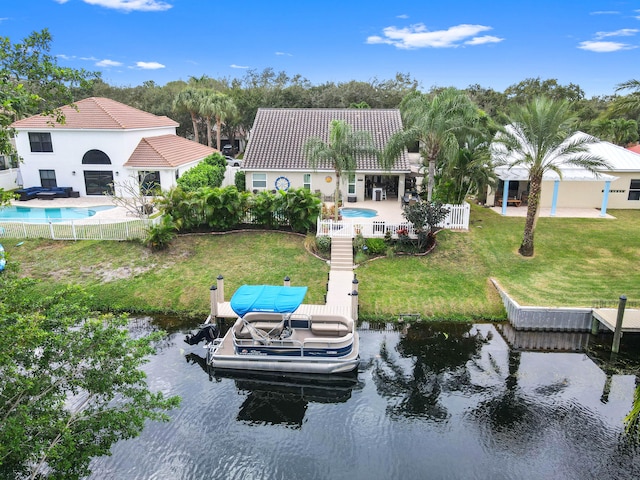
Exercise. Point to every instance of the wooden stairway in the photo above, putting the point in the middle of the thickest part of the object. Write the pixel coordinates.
(341, 254)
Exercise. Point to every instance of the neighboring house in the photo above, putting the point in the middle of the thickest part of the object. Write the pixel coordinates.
(617, 187)
(275, 160)
(103, 142)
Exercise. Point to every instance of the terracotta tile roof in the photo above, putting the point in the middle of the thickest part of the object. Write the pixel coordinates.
(99, 113)
(635, 148)
(279, 134)
(167, 151)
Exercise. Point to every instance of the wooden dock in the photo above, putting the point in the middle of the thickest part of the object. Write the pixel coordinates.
(608, 317)
(339, 299)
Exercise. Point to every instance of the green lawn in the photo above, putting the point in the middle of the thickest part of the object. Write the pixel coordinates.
(577, 262)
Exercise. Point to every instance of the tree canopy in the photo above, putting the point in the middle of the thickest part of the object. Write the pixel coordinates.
(71, 383)
(32, 82)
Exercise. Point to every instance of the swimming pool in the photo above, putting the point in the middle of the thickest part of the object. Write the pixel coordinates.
(38, 215)
(358, 212)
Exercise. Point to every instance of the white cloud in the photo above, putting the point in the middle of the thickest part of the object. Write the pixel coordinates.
(108, 63)
(624, 32)
(61, 2)
(284, 54)
(605, 12)
(604, 47)
(233, 65)
(149, 65)
(484, 40)
(417, 36)
(403, 16)
(132, 5)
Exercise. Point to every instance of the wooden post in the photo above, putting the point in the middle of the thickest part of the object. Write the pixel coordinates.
(220, 280)
(213, 297)
(617, 334)
(354, 305)
(287, 281)
(595, 324)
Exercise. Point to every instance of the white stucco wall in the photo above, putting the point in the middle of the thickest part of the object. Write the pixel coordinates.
(319, 182)
(69, 146)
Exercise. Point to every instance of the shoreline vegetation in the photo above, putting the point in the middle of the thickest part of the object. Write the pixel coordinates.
(578, 262)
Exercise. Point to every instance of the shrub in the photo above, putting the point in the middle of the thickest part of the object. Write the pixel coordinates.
(240, 180)
(159, 236)
(208, 173)
(324, 244)
(376, 246)
(358, 243)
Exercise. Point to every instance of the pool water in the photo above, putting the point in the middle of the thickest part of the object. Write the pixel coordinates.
(36, 215)
(358, 212)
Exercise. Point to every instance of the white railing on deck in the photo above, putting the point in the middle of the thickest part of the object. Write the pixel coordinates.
(78, 230)
(457, 219)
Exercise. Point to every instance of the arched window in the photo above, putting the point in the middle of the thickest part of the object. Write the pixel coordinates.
(96, 157)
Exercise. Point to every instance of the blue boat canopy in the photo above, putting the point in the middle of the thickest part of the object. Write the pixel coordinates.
(267, 298)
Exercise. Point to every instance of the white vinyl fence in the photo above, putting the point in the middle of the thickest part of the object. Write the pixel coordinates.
(457, 219)
(78, 230)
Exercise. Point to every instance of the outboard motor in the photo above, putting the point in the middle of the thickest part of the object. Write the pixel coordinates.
(208, 333)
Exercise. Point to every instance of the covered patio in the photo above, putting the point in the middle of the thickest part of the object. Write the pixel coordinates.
(577, 193)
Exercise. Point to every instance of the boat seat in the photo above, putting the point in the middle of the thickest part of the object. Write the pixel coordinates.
(331, 327)
(271, 329)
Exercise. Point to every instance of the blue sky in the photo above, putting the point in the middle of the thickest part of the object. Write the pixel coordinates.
(447, 43)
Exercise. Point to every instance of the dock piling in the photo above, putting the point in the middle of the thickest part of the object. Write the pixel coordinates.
(213, 297)
(617, 334)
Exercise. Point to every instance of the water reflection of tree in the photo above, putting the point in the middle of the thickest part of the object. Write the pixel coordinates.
(439, 353)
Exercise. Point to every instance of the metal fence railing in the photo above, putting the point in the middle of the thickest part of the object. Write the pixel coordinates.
(78, 229)
(457, 219)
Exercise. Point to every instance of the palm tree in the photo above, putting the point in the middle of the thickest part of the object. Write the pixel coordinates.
(470, 172)
(540, 138)
(189, 100)
(629, 104)
(342, 151)
(218, 106)
(433, 122)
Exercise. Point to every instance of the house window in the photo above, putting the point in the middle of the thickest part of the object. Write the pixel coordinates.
(634, 190)
(96, 157)
(149, 181)
(259, 180)
(352, 184)
(306, 181)
(40, 142)
(98, 183)
(48, 178)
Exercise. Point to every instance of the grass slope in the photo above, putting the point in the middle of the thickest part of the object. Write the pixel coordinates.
(577, 261)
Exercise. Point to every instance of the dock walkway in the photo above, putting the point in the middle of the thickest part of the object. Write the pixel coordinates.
(608, 317)
(339, 298)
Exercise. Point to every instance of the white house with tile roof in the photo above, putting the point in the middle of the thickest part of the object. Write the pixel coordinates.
(617, 187)
(274, 158)
(103, 142)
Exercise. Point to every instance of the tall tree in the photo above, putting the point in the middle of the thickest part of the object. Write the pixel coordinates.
(470, 172)
(217, 106)
(629, 104)
(31, 81)
(189, 100)
(540, 137)
(342, 151)
(434, 122)
(71, 383)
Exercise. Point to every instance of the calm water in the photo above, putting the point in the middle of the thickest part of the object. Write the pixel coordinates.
(38, 214)
(439, 401)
